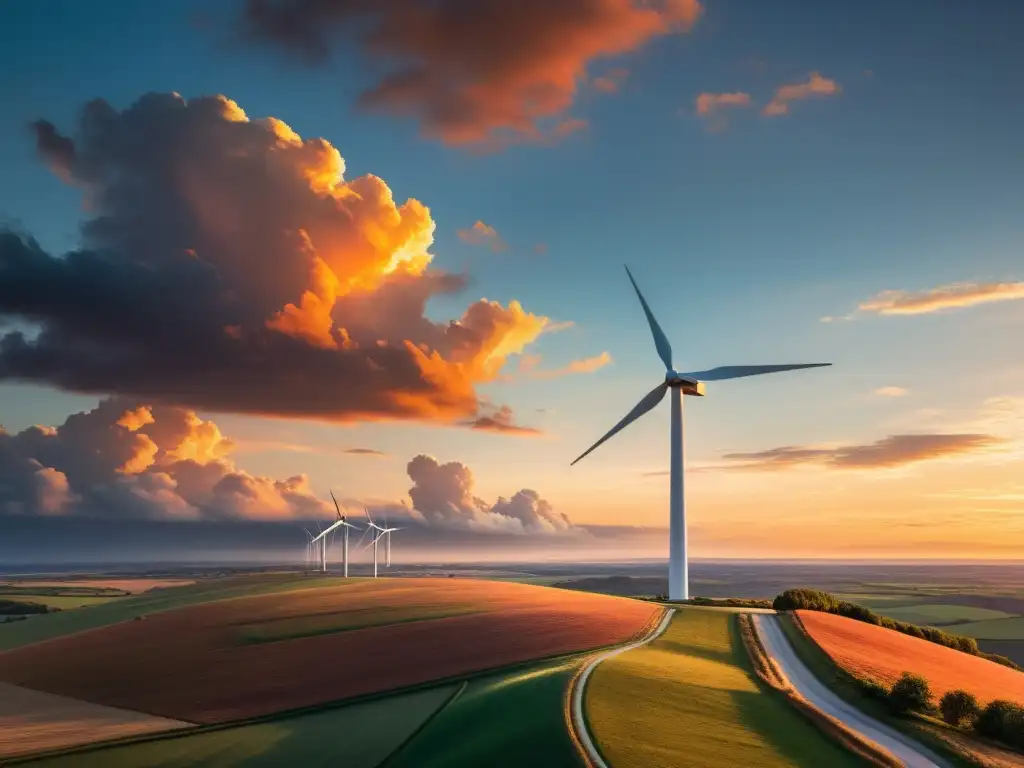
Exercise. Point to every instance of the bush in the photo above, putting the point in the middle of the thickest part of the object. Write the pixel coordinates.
(1002, 720)
(807, 599)
(858, 612)
(874, 690)
(910, 694)
(958, 706)
(702, 601)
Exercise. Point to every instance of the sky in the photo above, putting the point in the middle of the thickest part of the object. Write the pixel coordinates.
(234, 235)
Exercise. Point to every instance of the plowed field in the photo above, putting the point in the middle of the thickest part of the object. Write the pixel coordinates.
(220, 661)
(883, 654)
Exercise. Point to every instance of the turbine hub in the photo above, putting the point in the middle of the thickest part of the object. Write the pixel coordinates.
(689, 386)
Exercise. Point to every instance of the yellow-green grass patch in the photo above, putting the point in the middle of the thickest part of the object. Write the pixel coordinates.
(691, 698)
(64, 602)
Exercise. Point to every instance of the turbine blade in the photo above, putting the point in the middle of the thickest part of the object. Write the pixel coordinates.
(725, 372)
(336, 507)
(650, 400)
(366, 509)
(660, 339)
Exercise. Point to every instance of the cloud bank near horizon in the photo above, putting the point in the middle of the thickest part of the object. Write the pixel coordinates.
(129, 460)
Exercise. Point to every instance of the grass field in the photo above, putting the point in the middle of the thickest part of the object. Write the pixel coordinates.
(64, 602)
(511, 719)
(939, 614)
(195, 668)
(869, 651)
(690, 698)
(128, 584)
(58, 624)
(994, 629)
(358, 736)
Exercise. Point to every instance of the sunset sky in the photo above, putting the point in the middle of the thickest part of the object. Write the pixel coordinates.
(788, 181)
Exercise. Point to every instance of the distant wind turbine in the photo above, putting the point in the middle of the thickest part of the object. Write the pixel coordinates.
(342, 523)
(382, 533)
(681, 384)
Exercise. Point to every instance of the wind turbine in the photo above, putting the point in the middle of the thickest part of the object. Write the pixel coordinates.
(382, 533)
(342, 523)
(680, 384)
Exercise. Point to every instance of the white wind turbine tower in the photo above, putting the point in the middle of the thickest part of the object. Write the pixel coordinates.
(382, 533)
(680, 384)
(342, 523)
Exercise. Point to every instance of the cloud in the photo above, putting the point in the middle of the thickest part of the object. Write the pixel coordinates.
(125, 459)
(471, 73)
(483, 234)
(364, 452)
(955, 296)
(816, 86)
(611, 81)
(540, 249)
(890, 392)
(710, 105)
(887, 453)
(528, 364)
(501, 421)
(229, 266)
(443, 495)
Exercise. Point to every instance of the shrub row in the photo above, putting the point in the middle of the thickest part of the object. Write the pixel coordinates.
(816, 600)
(1001, 720)
(22, 608)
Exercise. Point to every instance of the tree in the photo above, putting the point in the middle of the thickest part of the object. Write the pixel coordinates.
(910, 694)
(958, 706)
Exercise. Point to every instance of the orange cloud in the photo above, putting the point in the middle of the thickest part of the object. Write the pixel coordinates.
(245, 273)
(483, 234)
(887, 453)
(890, 391)
(501, 421)
(611, 81)
(125, 459)
(710, 107)
(464, 87)
(585, 365)
(816, 86)
(955, 296)
(708, 103)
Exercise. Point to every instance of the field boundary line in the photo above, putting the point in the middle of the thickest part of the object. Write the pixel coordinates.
(578, 721)
(426, 722)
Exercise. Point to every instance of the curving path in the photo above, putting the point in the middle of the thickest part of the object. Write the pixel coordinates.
(913, 754)
(579, 722)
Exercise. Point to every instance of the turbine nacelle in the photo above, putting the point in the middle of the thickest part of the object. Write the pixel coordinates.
(689, 385)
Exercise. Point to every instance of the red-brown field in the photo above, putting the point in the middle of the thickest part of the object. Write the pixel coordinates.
(200, 664)
(883, 654)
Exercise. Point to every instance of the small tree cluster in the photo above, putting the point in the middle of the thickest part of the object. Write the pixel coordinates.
(1002, 720)
(910, 693)
(959, 708)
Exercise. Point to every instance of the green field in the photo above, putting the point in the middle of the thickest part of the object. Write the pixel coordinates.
(993, 629)
(936, 614)
(64, 602)
(357, 736)
(51, 625)
(691, 698)
(324, 624)
(515, 719)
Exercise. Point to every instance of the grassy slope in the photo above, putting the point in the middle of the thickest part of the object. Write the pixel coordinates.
(993, 629)
(514, 719)
(691, 697)
(52, 625)
(846, 688)
(357, 736)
